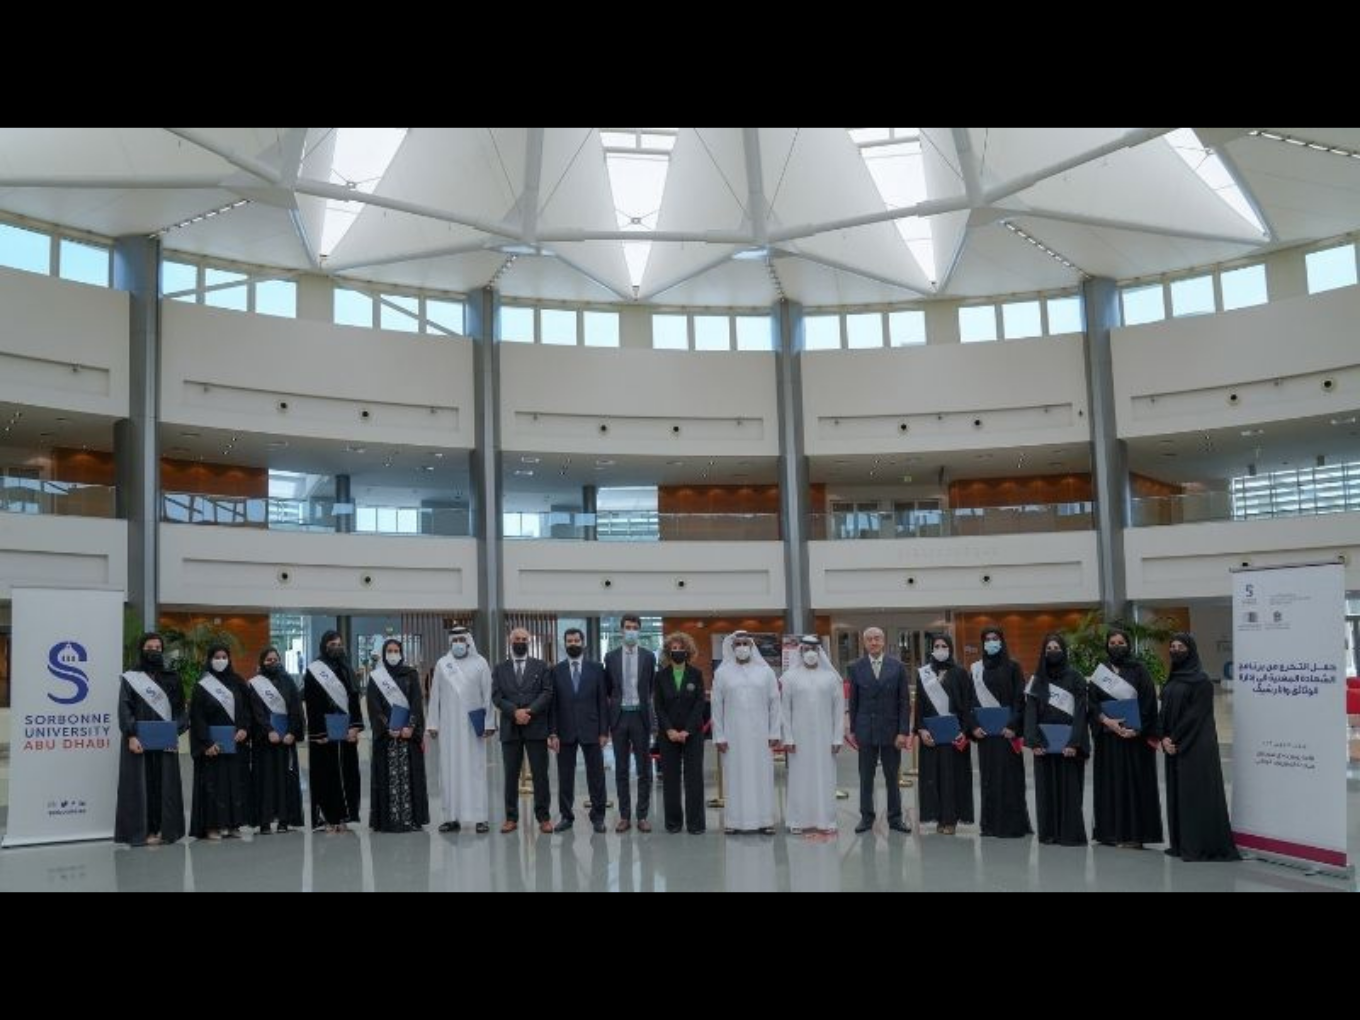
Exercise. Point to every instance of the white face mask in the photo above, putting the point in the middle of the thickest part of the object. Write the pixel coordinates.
(940, 654)
(460, 650)
(991, 647)
(812, 657)
(393, 659)
(220, 665)
(743, 653)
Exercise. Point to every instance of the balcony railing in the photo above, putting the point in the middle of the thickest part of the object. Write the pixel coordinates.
(314, 515)
(641, 526)
(1198, 507)
(62, 499)
(957, 523)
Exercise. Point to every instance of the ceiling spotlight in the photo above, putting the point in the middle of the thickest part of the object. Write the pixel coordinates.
(529, 460)
(1248, 433)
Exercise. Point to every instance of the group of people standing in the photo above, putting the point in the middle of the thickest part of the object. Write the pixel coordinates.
(244, 738)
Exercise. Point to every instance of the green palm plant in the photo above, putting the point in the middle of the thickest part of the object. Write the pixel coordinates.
(1086, 643)
(187, 650)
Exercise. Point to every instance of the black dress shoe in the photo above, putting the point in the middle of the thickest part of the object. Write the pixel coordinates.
(899, 826)
(450, 827)
(865, 824)
(599, 826)
(562, 826)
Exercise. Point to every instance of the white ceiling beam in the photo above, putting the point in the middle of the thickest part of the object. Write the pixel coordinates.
(755, 185)
(681, 236)
(466, 248)
(1138, 228)
(324, 189)
(570, 264)
(533, 176)
(1230, 165)
(1128, 140)
(972, 181)
(290, 155)
(251, 165)
(183, 181)
(856, 271)
(686, 276)
(929, 207)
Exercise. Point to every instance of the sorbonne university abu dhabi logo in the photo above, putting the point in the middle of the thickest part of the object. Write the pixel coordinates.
(64, 660)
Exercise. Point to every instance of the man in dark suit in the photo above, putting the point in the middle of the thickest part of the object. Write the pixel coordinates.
(578, 719)
(880, 719)
(629, 672)
(521, 687)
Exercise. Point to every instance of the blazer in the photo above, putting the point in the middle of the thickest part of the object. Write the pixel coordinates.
(578, 716)
(646, 673)
(535, 694)
(880, 710)
(681, 709)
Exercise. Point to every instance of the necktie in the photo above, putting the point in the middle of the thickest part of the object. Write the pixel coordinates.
(877, 664)
(576, 678)
(519, 671)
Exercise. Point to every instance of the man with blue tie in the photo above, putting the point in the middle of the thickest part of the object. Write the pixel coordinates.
(578, 719)
(629, 671)
(880, 720)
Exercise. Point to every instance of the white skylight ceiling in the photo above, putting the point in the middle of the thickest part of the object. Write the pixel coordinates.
(704, 216)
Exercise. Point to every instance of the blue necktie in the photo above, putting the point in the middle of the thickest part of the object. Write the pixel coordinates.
(576, 678)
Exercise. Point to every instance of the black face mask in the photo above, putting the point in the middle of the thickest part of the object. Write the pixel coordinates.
(1179, 658)
(335, 654)
(679, 655)
(153, 660)
(273, 669)
(1055, 658)
(1118, 653)
(520, 648)
(575, 651)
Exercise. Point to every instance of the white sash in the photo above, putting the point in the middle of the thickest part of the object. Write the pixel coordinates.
(150, 692)
(389, 688)
(1059, 697)
(221, 692)
(269, 694)
(935, 691)
(333, 685)
(1113, 684)
(985, 697)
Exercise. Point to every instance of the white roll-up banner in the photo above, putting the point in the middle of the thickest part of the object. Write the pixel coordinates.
(1289, 712)
(67, 656)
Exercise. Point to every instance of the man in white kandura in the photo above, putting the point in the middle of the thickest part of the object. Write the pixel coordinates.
(745, 732)
(812, 697)
(461, 717)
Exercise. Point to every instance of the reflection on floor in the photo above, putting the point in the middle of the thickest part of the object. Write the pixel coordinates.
(656, 862)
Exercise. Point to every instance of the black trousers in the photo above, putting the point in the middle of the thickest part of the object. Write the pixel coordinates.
(869, 757)
(689, 759)
(566, 779)
(631, 738)
(513, 752)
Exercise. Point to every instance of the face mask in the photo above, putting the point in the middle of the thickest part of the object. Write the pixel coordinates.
(1179, 658)
(812, 657)
(679, 655)
(940, 654)
(1118, 653)
(1055, 658)
(220, 665)
(630, 638)
(154, 659)
(393, 658)
(992, 647)
(335, 653)
(460, 650)
(743, 653)
(272, 668)
(520, 648)
(575, 651)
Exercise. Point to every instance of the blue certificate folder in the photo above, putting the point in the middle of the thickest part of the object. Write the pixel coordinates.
(1125, 711)
(478, 719)
(337, 726)
(944, 728)
(993, 720)
(156, 735)
(224, 737)
(1057, 735)
(399, 717)
(278, 722)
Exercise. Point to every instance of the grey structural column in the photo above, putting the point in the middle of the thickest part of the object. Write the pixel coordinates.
(1109, 455)
(346, 517)
(793, 467)
(590, 504)
(136, 439)
(487, 501)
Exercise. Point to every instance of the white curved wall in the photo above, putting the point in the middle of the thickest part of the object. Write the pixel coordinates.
(240, 568)
(61, 552)
(555, 399)
(230, 370)
(571, 576)
(1024, 570)
(1194, 560)
(1180, 375)
(63, 345)
(1024, 392)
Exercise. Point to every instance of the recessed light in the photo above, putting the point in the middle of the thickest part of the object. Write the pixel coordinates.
(681, 463)
(356, 449)
(429, 467)
(524, 474)
(604, 463)
(277, 444)
(1335, 421)
(438, 455)
(529, 460)
(190, 435)
(1248, 433)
